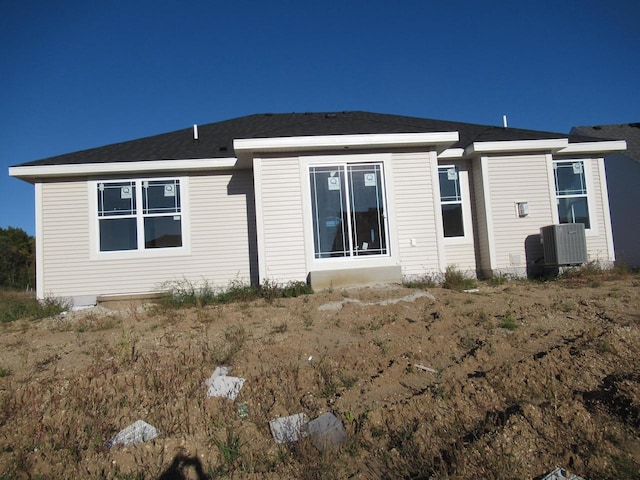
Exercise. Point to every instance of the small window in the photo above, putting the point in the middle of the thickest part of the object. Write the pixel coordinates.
(571, 192)
(139, 215)
(451, 202)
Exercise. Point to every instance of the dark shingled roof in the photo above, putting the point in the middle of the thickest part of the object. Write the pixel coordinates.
(216, 139)
(624, 131)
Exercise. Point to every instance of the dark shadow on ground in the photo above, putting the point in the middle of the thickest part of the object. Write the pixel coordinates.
(180, 468)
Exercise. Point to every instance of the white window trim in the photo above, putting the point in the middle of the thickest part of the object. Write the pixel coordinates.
(94, 224)
(587, 167)
(339, 263)
(467, 224)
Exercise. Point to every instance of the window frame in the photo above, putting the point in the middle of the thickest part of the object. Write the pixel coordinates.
(141, 251)
(465, 202)
(588, 187)
(364, 261)
(346, 169)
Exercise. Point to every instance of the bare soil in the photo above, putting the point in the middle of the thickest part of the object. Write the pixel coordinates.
(520, 378)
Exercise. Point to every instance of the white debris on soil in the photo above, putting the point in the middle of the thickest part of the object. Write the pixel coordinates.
(561, 474)
(391, 301)
(325, 431)
(426, 369)
(222, 385)
(137, 432)
(288, 429)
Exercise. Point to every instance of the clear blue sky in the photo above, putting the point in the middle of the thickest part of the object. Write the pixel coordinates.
(81, 74)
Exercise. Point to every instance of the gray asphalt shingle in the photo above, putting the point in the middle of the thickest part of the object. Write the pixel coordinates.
(216, 139)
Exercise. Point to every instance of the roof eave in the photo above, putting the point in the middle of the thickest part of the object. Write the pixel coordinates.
(509, 146)
(599, 147)
(249, 146)
(33, 173)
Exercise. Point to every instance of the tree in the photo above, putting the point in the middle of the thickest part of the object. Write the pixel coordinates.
(17, 266)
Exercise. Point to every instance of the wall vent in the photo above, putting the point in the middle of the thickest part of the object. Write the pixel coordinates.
(564, 244)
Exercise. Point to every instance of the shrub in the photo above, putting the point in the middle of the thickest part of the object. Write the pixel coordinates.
(454, 279)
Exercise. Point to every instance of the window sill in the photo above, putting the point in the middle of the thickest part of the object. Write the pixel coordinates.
(141, 254)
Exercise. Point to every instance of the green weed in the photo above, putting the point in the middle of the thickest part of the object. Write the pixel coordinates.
(19, 305)
(509, 322)
(424, 281)
(454, 279)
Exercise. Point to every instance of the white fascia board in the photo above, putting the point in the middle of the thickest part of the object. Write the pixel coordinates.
(47, 171)
(604, 147)
(451, 153)
(335, 142)
(517, 146)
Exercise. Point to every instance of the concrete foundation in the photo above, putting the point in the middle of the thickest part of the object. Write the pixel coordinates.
(321, 280)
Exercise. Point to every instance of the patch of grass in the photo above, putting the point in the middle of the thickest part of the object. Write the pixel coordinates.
(307, 321)
(382, 345)
(454, 279)
(95, 323)
(185, 293)
(270, 290)
(509, 322)
(424, 281)
(497, 279)
(347, 381)
(4, 372)
(19, 305)
(326, 380)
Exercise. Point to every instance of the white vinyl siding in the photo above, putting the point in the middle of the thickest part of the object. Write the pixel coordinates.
(597, 248)
(518, 179)
(283, 244)
(481, 217)
(220, 249)
(415, 212)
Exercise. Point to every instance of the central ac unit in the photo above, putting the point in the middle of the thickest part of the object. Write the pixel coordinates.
(564, 244)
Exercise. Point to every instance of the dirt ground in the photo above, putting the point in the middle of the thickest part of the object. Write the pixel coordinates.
(505, 382)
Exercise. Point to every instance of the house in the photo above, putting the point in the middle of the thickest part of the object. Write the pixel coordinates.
(330, 198)
(623, 179)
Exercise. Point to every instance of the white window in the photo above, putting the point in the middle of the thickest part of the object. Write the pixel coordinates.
(139, 214)
(348, 207)
(571, 192)
(451, 202)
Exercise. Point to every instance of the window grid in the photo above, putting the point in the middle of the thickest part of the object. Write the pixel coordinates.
(149, 220)
(571, 192)
(343, 209)
(451, 202)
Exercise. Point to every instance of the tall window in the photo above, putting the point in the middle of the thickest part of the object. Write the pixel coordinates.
(451, 201)
(571, 192)
(139, 214)
(348, 207)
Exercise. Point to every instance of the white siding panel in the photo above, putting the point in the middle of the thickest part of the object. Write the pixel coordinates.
(222, 247)
(462, 257)
(480, 217)
(597, 248)
(283, 228)
(518, 179)
(415, 213)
